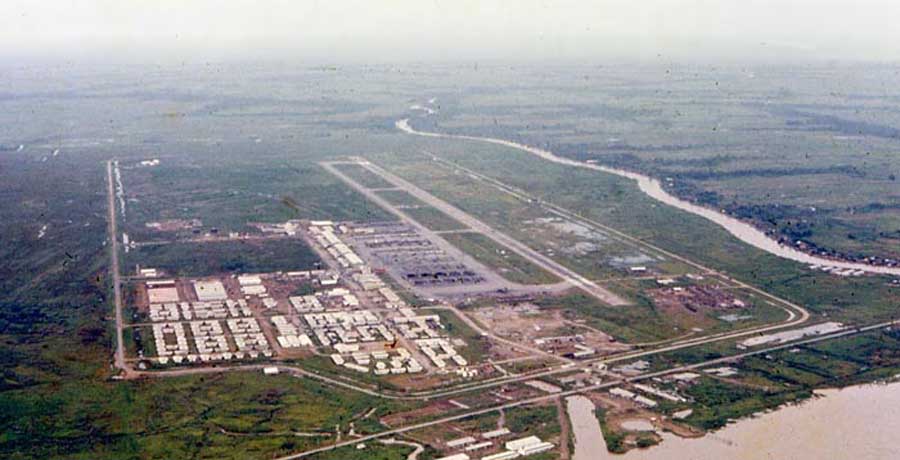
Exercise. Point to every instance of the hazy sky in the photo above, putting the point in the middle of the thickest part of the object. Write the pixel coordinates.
(391, 30)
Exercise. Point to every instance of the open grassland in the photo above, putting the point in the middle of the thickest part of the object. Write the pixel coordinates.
(433, 219)
(636, 323)
(372, 451)
(233, 415)
(228, 193)
(239, 256)
(363, 176)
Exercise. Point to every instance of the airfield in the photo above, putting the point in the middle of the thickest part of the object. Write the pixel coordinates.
(455, 314)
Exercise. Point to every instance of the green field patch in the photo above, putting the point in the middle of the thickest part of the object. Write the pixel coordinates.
(241, 256)
(433, 219)
(717, 402)
(363, 176)
(635, 323)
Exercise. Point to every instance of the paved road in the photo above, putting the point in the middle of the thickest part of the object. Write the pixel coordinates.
(501, 238)
(601, 386)
(120, 362)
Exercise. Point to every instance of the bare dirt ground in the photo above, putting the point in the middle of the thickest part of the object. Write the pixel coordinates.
(526, 323)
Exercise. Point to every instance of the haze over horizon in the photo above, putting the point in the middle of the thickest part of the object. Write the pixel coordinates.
(407, 30)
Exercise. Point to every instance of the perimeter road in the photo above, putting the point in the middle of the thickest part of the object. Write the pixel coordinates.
(114, 267)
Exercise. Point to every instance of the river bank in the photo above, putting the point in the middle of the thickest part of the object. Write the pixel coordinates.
(854, 423)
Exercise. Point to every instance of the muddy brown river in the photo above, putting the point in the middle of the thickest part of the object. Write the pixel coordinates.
(856, 423)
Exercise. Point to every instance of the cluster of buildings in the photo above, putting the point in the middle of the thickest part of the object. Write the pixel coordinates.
(203, 310)
(248, 337)
(440, 351)
(323, 233)
(210, 343)
(370, 282)
(415, 326)
(176, 345)
(347, 327)
(288, 334)
(209, 339)
(394, 361)
(625, 394)
(367, 326)
(516, 448)
(331, 299)
(204, 317)
(251, 285)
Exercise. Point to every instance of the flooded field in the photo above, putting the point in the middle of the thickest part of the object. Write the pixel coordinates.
(859, 423)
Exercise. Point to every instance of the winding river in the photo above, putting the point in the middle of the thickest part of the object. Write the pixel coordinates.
(652, 187)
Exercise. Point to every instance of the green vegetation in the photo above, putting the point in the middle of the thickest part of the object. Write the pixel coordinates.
(805, 154)
(541, 421)
(240, 256)
(237, 152)
(363, 176)
(233, 415)
(373, 450)
(508, 264)
(636, 323)
(615, 440)
(433, 219)
(227, 193)
(716, 403)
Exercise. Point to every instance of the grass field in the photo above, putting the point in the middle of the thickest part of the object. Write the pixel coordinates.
(228, 193)
(363, 176)
(433, 219)
(242, 256)
(235, 415)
